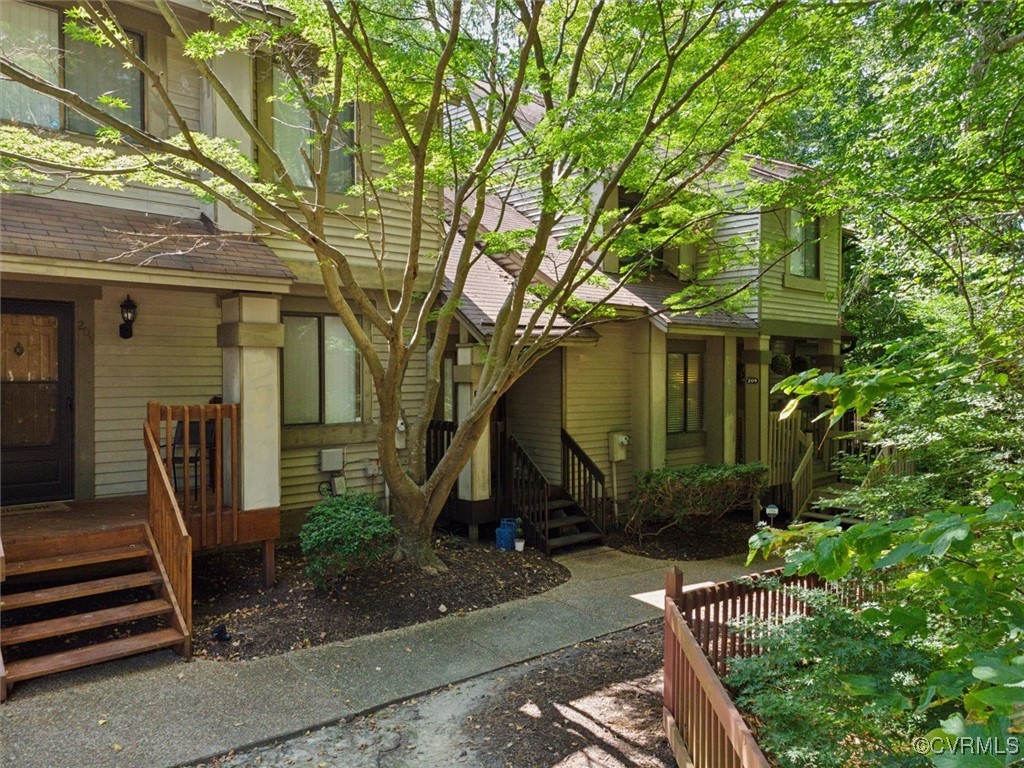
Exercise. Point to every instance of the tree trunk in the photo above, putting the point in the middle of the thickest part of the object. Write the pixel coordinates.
(412, 516)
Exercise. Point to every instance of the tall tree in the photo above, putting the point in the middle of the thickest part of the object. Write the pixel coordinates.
(569, 99)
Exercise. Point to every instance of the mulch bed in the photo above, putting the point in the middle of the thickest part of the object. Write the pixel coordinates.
(698, 540)
(227, 590)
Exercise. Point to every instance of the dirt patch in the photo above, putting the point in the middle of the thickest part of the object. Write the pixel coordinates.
(294, 614)
(697, 540)
(594, 704)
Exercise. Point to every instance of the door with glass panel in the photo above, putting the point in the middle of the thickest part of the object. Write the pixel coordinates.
(36, 401)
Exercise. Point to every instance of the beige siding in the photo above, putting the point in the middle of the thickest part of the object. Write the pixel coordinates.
(172, 358)
(300, 473)
(361, 241)
(183, 84)
(599, 391)
(534, 411)
(301, 476)
(734, 234)
(782, 302)
(683, 457)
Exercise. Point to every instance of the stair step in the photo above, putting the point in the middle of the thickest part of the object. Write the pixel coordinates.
(575, 538)
(92, 654)
(564, 522)
(553, 505)
(75, 559)
(80, 589)
(80, 622)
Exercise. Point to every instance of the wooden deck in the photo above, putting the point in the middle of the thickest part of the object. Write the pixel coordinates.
(71, 518)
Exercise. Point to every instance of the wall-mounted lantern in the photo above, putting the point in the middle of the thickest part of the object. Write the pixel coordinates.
(128, 311)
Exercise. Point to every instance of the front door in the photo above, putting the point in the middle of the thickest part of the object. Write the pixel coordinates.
(36, 401)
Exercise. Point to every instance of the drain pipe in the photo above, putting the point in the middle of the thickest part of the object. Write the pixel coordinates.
(615, 493)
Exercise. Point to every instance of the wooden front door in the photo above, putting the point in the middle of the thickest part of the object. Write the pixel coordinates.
(36, 401)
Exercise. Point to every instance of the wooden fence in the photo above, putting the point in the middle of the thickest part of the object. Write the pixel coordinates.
(704, 727)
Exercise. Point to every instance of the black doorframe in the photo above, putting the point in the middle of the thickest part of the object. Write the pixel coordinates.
(45, 473)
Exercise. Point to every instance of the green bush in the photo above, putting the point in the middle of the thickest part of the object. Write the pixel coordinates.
(831, 691)
(343, 533)
(669, 496)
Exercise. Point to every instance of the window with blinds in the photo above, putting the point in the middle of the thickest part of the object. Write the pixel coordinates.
(320, 371)
(685, 392)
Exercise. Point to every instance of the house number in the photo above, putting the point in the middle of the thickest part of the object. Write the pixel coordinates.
(751, 380)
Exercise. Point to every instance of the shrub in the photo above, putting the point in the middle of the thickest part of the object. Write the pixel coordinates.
(343, 533)
(831, 691)
(671, 496)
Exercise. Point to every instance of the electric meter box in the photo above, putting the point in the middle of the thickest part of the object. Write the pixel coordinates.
(332, 459)
(618, 442)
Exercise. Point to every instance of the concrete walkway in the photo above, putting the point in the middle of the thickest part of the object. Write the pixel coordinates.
(155, 710)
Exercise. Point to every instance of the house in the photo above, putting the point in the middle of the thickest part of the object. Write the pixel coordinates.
(657, 388)
(160, 362)
(175, 384)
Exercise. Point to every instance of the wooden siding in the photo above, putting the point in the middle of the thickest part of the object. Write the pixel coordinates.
(534, 411)
(173, 358)
(599, 392)
(782, 302)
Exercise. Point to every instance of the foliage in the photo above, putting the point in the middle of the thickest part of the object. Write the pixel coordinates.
(343, 533)
(678, 495)
(831, 691)
(954, 578)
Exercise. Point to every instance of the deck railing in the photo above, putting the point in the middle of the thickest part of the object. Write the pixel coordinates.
(701, 636)
(170, 537)
(199, 446)
(802, 483)
(584, 481)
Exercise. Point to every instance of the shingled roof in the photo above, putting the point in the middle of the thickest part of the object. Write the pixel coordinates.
(43, 226)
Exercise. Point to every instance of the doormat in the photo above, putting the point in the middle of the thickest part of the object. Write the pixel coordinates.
(45, 506)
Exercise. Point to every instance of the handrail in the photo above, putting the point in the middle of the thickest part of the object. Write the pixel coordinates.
(3, 561)
(202, 440)
(583, 480)
(170, 534)
(528, 491)
(802, 483)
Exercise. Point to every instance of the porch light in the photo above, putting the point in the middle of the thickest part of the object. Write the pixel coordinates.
(128, 308)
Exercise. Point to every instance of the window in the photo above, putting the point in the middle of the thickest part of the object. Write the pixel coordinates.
(805, 261)
(684, 394)
(294, 134)
(320, 371)
(33, 34)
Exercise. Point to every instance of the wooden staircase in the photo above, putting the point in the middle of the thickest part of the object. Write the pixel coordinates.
(73, 601)
(556, 517)
(567, 524)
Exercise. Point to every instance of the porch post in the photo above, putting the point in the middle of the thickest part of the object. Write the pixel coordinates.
(251, 336)
(474, 485)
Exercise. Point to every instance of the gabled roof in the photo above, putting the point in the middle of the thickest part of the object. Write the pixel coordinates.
(490, 280)
(42, 226)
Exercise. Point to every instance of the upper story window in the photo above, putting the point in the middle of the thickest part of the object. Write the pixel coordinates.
(34, 34)
(298, 144)
(684, 395)
(321, 371)
(805, 260)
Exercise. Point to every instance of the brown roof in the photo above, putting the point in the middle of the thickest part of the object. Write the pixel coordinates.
(43, 226)
(490, 279)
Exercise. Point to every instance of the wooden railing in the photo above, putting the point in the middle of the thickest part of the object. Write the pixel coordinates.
(584, 481)
(701, 721)
(439, 438)
(170, 537)
(527, 491)
(802, 482)
(199, 446)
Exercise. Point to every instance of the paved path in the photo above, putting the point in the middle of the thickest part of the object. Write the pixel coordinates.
(155, 710)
